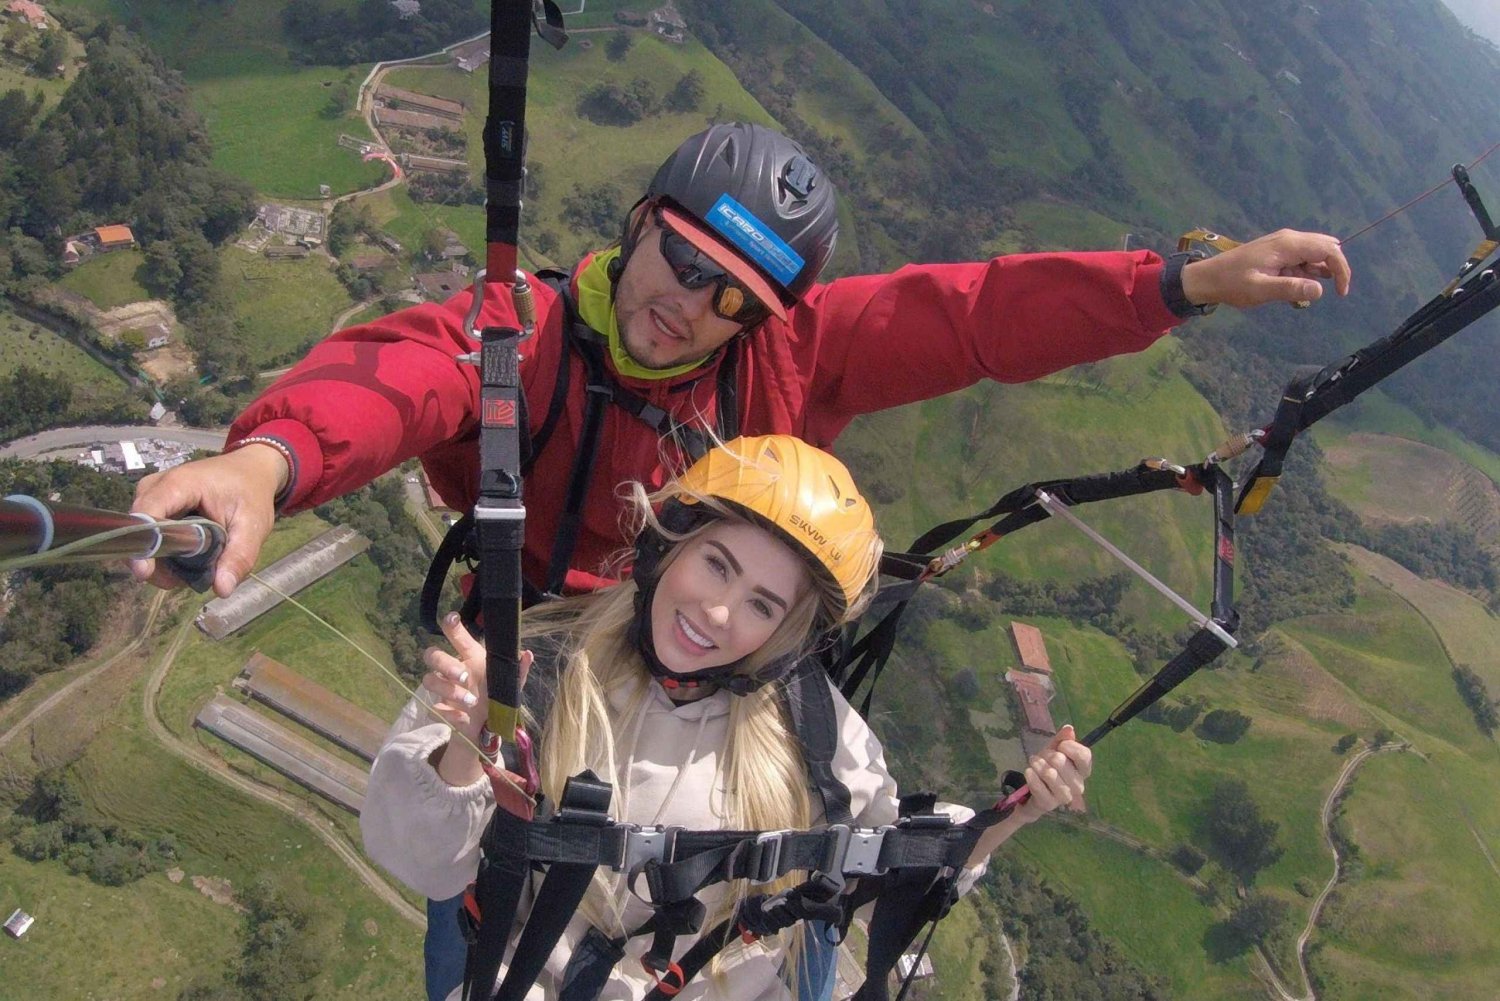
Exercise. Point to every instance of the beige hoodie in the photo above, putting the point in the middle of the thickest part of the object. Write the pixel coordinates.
(426, 833)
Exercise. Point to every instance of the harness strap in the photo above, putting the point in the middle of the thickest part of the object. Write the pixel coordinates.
(585, 802)
(809, 703)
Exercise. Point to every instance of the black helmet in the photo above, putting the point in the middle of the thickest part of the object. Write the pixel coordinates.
(757, 191)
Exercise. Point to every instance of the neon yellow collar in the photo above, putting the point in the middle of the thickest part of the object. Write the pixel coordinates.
(596, 306)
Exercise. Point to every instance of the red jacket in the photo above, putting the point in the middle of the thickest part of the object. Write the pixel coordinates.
(368, 398)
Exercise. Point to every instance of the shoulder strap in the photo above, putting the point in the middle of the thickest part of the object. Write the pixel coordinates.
(809, 703)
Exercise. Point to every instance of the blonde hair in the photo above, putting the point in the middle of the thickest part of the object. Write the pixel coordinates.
(762, 769)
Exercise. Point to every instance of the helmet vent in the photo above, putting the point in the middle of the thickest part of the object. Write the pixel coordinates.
(799, 176)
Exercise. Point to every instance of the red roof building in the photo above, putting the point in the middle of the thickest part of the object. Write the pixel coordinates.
(1033, 693)
(1030, 647)
(31, 13)
(114, 237)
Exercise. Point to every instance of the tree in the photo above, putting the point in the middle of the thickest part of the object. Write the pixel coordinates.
(1259, 916)
(1345, 742)
(282, 952)
(162, 273)
(50, 54)
(687, 94)
(1224, 726)
(1188, 859)
(1240, 839)
(17, 112)
(618, 45)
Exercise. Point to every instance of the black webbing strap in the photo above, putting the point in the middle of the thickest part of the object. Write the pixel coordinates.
(758, 915)
(585, 802)
(1313, 394)
(492, 902)
(809, 703)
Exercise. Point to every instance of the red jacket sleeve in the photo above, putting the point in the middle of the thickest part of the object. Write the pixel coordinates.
(370, 397)
(928, 330)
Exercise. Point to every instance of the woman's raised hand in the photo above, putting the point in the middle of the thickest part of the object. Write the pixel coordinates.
(455, 688)
(1056, 776)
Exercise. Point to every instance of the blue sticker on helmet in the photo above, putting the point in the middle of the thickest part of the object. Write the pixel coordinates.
(755, 239)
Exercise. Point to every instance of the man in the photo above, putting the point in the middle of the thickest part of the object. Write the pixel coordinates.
(707, 316)
(716, 269)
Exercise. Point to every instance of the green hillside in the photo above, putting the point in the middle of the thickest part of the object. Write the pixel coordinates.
(955, 130)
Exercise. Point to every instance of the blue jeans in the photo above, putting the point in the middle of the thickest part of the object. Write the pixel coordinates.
(444, 951)
(819, 959)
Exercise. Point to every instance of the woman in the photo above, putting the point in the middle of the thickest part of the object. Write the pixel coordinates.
(669, 690)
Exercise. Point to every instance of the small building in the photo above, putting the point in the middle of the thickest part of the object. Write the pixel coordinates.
(72, 253)
(158, 335)
(396, 97)
(1033, 692)
(388, 242)
(909, 966)
(407, 9)
(114, 237)
(131, 456)
(1030, 647)
(33, 14)
(157, 412)
(371, 261)
(324, 190)
(17, 924)
(472, 55)
(453, 247)
(668, 23)
(440, 285)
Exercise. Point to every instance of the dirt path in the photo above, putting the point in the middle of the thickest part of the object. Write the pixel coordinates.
(212, 765)
(52, 701)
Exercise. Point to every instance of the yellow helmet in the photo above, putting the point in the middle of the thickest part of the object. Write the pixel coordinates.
(803, 494)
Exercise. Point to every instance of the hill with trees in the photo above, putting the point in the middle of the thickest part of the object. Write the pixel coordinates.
(955, 131)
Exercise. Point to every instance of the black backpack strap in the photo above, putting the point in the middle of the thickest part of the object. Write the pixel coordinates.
(558, 281)
(809, 703)
(599, 395)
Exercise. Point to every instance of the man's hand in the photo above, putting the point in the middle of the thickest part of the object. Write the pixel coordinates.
(237, 489)
(1285, 266)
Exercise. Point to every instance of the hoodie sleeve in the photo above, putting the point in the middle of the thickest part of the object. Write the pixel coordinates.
(417, 827)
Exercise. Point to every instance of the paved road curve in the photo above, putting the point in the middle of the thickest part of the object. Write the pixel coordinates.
(58, 439)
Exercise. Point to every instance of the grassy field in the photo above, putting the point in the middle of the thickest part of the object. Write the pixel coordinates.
(109, 280)
(1376, 412)
(25, 343)
(282, 306)
(1469, 632)
(1386, 478)
(265, 115)
(112, 941)
(1143, 905)
(568, 150)
(155, 929)
(288, 153)
(1416, 922)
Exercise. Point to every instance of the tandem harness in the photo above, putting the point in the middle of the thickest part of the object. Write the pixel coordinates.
(909, 869)
(602, 390)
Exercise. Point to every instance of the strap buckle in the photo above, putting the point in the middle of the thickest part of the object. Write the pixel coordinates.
(862, 853)
(642, 845)
(766, 856)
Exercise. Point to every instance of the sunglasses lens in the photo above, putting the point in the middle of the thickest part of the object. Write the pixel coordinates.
(694, 270)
